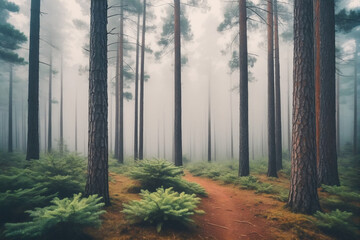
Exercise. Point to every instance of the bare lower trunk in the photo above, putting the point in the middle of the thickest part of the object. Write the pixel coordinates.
(142, 82)
(209, 123)
(121, 87)
(271, 102)
(303, 195)
(97, 178)
(33, 90)
(244, 169)
(61, 109)
(355, 97)
(50, 107)
(178, 117)
(327, 165)
(136, 122)
(278, 131)
(10, 122)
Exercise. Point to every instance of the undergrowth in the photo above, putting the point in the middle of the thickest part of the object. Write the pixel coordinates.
(161, 207)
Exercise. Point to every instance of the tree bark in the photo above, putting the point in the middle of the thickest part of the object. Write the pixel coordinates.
(209, 122)
(244, 169)
(136, 119)
(97, 178)
(303, 195)
(10, 122)
(142, 81)
(178, 117)
(121, 86)
(231, 127)
(271, 105)
(33, 90)
(61, 108)
(50, 107)
(278, 131)
(327, 165)
(355, 97)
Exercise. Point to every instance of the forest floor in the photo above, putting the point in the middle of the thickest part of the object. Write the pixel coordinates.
(231, 214)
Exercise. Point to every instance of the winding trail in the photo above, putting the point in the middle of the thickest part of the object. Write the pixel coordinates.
(232, 213)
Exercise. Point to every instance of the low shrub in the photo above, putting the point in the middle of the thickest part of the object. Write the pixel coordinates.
(156, 173)
(336, 223)
(161, 207)
(64, 219)
(343, 192)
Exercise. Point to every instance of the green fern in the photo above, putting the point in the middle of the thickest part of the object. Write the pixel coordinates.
(337, 223)
(153, 174)
(342, 191)
(162, 206)
(74, 213)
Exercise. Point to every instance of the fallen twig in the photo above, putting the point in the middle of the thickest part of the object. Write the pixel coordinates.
(213, 224)
(238, 221)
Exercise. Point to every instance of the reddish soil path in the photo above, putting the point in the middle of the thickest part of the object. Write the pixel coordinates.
(232, 213)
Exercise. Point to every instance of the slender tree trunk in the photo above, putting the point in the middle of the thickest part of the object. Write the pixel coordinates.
(317, 57)
(10, 135)
(142, 80)
(117, 97)
(303, 195)
(327, 165)
(209, 122)
(136, 122)
(158, 141)
(97, 178)
(121, 86)
(62, 108)
(178, 109)
(355, 97)
(45, 130)
(278, 131)
(338, 113)
(215, 155)
(76, 124)
(33, 90)
(244, 169)
(231, 125)
(289, 113)
(50, 107)
(271, 106)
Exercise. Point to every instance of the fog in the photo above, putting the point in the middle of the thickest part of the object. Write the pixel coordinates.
(206, 66)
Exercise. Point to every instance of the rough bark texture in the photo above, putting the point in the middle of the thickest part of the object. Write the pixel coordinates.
(271, 102)
(136, 118)
(244, 169)
(50, 107)
(97, 178)
(177, 120)
(121, 87)
(61, 108)
(278, 131)
(142, 81)
(327, 167)
(209, 123)
(10, 122)
(355, 97)
(317, 58)
(33, 94)
(303, 195)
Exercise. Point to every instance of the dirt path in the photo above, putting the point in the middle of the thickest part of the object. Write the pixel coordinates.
(232, 213)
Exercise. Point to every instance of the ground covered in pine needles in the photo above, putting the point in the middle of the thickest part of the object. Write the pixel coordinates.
(231, 213)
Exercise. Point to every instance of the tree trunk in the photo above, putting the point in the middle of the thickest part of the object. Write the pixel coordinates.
(45, 130)
(50, 107)
(214, 143)
(209, 122)
(117, 97)
(244, 169)
(61, 108)
(303, 195)
(355, 98)
(121, 86)
(142, 80)
(136, 123)
(271, 106)
(10, 135)
(177, 120)
(327, 165)
(76, 124)
(338, 113)
(278, 131)
(289, 114)
(33, 90)
(97, 178)
(231, 125)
